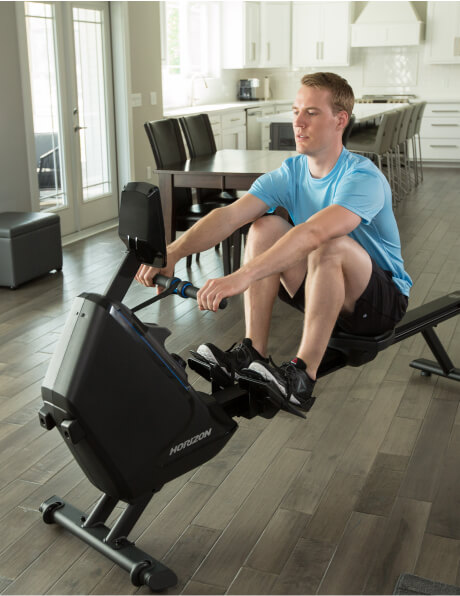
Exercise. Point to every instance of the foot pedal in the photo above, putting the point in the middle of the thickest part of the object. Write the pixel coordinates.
(260, 390)
(208, 371)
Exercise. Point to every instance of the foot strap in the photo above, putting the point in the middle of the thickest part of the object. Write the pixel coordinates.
(210, 372)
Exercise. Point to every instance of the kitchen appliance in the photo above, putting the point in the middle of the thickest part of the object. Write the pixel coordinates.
(249, 90)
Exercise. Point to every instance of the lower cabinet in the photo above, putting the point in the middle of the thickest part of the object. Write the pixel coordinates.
(440, 132)
(233, 126)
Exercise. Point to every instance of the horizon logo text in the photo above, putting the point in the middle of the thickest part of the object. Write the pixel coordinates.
(192, 441)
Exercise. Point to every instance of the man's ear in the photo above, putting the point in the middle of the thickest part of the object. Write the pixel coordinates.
(343, 119)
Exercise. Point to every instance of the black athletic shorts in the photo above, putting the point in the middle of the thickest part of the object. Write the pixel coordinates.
(379, 308)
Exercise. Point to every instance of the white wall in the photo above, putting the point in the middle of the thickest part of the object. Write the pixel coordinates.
(14, 185)
(145, 67)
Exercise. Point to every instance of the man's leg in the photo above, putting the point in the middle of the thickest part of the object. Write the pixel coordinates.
(338, 273)
(259, 300)
(260, 296)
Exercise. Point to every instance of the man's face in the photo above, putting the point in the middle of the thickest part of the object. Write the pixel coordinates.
(316, 128)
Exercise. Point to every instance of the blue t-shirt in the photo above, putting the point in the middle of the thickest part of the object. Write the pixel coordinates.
(355, 183)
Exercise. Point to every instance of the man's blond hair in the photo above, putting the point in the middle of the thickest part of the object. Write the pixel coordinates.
(342, 95)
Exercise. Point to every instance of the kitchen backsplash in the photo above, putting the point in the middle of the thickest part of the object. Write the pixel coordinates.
(371, 71)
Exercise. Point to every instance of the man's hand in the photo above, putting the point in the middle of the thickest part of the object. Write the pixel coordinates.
(214, 290)
(145, 274)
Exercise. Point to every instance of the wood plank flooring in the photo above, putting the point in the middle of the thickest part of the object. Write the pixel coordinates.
(367, 488)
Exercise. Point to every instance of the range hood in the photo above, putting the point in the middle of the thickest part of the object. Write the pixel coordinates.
(387, 24)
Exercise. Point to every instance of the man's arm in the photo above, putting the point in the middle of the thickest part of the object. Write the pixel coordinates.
(206, 233)
(332, 222)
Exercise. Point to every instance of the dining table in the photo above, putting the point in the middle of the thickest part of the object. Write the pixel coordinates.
(227, 169)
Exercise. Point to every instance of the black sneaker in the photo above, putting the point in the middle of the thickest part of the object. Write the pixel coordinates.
(290, 380)
(234, 359)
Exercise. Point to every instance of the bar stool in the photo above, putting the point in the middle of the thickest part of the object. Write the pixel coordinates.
(377, 142)
(416, 139)
(412, 134)
(398, 142)
(403, 145)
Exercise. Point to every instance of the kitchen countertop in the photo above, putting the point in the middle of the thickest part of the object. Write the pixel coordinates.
(362, 112)
(223, 107)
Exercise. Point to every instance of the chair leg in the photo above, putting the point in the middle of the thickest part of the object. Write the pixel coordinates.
(226, 255)
(237, 250)
(414, 161)
(420, 157)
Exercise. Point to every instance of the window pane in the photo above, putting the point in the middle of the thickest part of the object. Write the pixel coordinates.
(173, 40)
(45, 107)
(89, 53)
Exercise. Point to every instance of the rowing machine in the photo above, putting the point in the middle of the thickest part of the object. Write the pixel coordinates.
(123, 404)
(125, 408)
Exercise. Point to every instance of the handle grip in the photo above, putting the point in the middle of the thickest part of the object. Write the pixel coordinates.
(183, 288)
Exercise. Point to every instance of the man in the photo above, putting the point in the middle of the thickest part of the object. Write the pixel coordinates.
(340, 263)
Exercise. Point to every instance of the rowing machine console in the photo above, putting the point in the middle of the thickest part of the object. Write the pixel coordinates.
(124, 405)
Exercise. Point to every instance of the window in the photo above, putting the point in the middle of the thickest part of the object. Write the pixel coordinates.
(190, 48)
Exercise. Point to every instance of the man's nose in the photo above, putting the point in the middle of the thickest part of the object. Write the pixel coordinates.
(299, 121)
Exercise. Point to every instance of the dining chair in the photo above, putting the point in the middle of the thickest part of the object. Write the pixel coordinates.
(200, 141)
(168, 148)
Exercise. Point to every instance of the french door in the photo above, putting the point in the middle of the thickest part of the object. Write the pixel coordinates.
(71, 95)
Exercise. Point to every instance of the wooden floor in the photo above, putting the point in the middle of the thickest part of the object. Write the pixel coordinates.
(343, 503)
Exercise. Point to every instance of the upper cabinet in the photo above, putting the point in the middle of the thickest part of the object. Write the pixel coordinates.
(275, 26)
(320, 33)
(240, 34)
(255, 34)
(443, 33)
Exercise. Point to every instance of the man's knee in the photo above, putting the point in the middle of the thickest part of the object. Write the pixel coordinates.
(267, 230)
(332, 251)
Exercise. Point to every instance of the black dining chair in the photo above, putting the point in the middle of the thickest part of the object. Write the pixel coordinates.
(168, 148)
(200, 141)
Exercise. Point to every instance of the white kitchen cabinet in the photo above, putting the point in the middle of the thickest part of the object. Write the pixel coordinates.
(240, 34)
(255, 34)
(440, 132)
(216, 125)
(275, 28)
(443, 33)
(320, 34)
(233, 126)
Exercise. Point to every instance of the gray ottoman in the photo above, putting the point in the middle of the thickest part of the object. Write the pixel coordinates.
(30, 246)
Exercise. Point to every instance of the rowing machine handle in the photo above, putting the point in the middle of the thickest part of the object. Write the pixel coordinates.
(184, 288)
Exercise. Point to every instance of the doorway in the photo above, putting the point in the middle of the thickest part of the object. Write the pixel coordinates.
(71, 95)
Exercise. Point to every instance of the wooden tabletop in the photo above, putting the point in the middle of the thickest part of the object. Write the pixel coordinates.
(231, 161)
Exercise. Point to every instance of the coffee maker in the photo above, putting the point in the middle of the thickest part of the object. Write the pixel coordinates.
(249, 90)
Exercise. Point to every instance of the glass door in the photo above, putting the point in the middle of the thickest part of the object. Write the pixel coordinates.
(72, 107)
